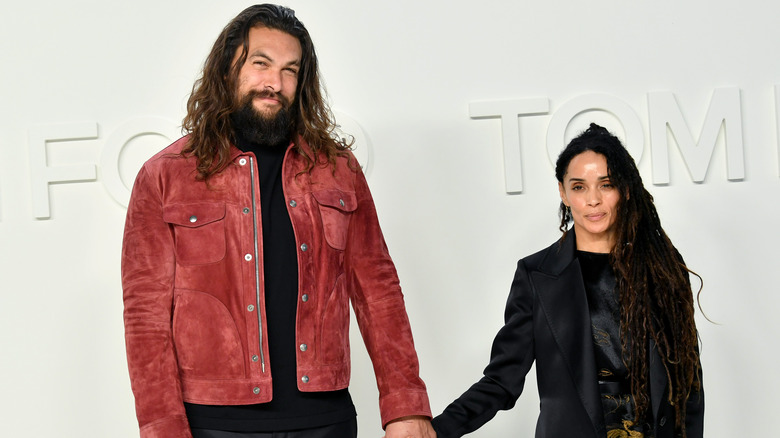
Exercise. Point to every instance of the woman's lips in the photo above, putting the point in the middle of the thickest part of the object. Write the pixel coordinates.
(595, 216)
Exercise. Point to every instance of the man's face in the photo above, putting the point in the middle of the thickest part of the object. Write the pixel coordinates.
(269, 77)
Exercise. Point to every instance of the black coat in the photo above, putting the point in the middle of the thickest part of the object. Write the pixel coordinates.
(547, 320)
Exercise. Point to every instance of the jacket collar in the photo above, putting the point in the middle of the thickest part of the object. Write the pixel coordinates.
(235, 151)
(561, 254)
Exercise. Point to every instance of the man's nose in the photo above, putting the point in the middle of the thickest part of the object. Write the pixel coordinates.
(273, 81)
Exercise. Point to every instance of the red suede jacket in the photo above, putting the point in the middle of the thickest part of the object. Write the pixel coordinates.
(194, 300)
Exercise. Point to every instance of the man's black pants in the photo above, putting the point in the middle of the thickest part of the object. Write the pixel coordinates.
(345, 429)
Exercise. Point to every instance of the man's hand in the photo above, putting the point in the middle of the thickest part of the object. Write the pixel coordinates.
(415, 426)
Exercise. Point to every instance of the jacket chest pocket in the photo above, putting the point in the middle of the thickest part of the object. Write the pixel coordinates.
(199, 232)
(336, 208)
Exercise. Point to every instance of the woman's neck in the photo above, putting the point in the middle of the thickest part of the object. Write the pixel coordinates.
(594, 243)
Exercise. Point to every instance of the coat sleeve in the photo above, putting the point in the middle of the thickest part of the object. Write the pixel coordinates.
(148, 266)
(381, 314)
(511, 357)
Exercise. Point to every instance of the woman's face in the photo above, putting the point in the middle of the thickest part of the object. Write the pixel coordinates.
(587, 190)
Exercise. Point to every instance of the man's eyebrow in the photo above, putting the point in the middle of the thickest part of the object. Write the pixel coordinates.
(259, 53)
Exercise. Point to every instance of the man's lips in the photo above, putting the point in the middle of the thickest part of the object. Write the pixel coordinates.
(266, 99)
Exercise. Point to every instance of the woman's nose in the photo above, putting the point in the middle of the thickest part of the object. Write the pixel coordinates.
(594, 198)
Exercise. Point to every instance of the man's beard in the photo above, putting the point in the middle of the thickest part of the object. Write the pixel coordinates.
(272, 131)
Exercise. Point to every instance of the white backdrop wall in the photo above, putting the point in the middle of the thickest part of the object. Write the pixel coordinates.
(89, 90)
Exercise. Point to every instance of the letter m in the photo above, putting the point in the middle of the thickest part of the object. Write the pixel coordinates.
(724, 112)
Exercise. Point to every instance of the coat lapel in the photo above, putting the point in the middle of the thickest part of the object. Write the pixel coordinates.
(564, 304)
(658, 379)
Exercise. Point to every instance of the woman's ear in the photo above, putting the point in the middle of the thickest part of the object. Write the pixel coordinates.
(562, 192)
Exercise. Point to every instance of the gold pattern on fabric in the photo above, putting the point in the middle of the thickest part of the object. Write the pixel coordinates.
(617, 402)
(625, 432)
(601, 337)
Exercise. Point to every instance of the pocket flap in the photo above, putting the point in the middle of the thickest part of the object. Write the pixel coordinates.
(193, 215)
(344, 201)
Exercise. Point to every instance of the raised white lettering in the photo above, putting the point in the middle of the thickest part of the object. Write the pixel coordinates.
(634, 133)
(41, 174)
(724, 111)
(110, 173)
(509, 111)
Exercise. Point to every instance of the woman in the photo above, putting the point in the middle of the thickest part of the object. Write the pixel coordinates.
(606, 312)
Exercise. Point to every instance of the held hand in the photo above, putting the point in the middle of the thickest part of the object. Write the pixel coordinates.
(415, 426)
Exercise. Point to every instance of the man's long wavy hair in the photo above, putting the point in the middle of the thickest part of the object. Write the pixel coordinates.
(214, 95)
(656, 300)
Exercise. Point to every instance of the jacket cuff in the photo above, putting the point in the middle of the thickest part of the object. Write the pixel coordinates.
(171, 427)
(404, 404)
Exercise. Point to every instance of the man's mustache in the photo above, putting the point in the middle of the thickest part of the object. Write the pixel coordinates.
(267, 94)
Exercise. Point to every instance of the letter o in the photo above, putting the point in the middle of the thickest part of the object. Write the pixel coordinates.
(556, 131)
(119, 138)
(347, 126)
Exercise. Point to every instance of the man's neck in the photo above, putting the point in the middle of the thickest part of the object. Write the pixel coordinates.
(246, 143)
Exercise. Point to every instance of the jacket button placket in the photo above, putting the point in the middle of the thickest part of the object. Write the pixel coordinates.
(304, 298)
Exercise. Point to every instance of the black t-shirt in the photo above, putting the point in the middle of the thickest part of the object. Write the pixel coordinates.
(290, 408)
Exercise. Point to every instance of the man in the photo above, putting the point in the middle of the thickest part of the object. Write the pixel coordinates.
(244, 243)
